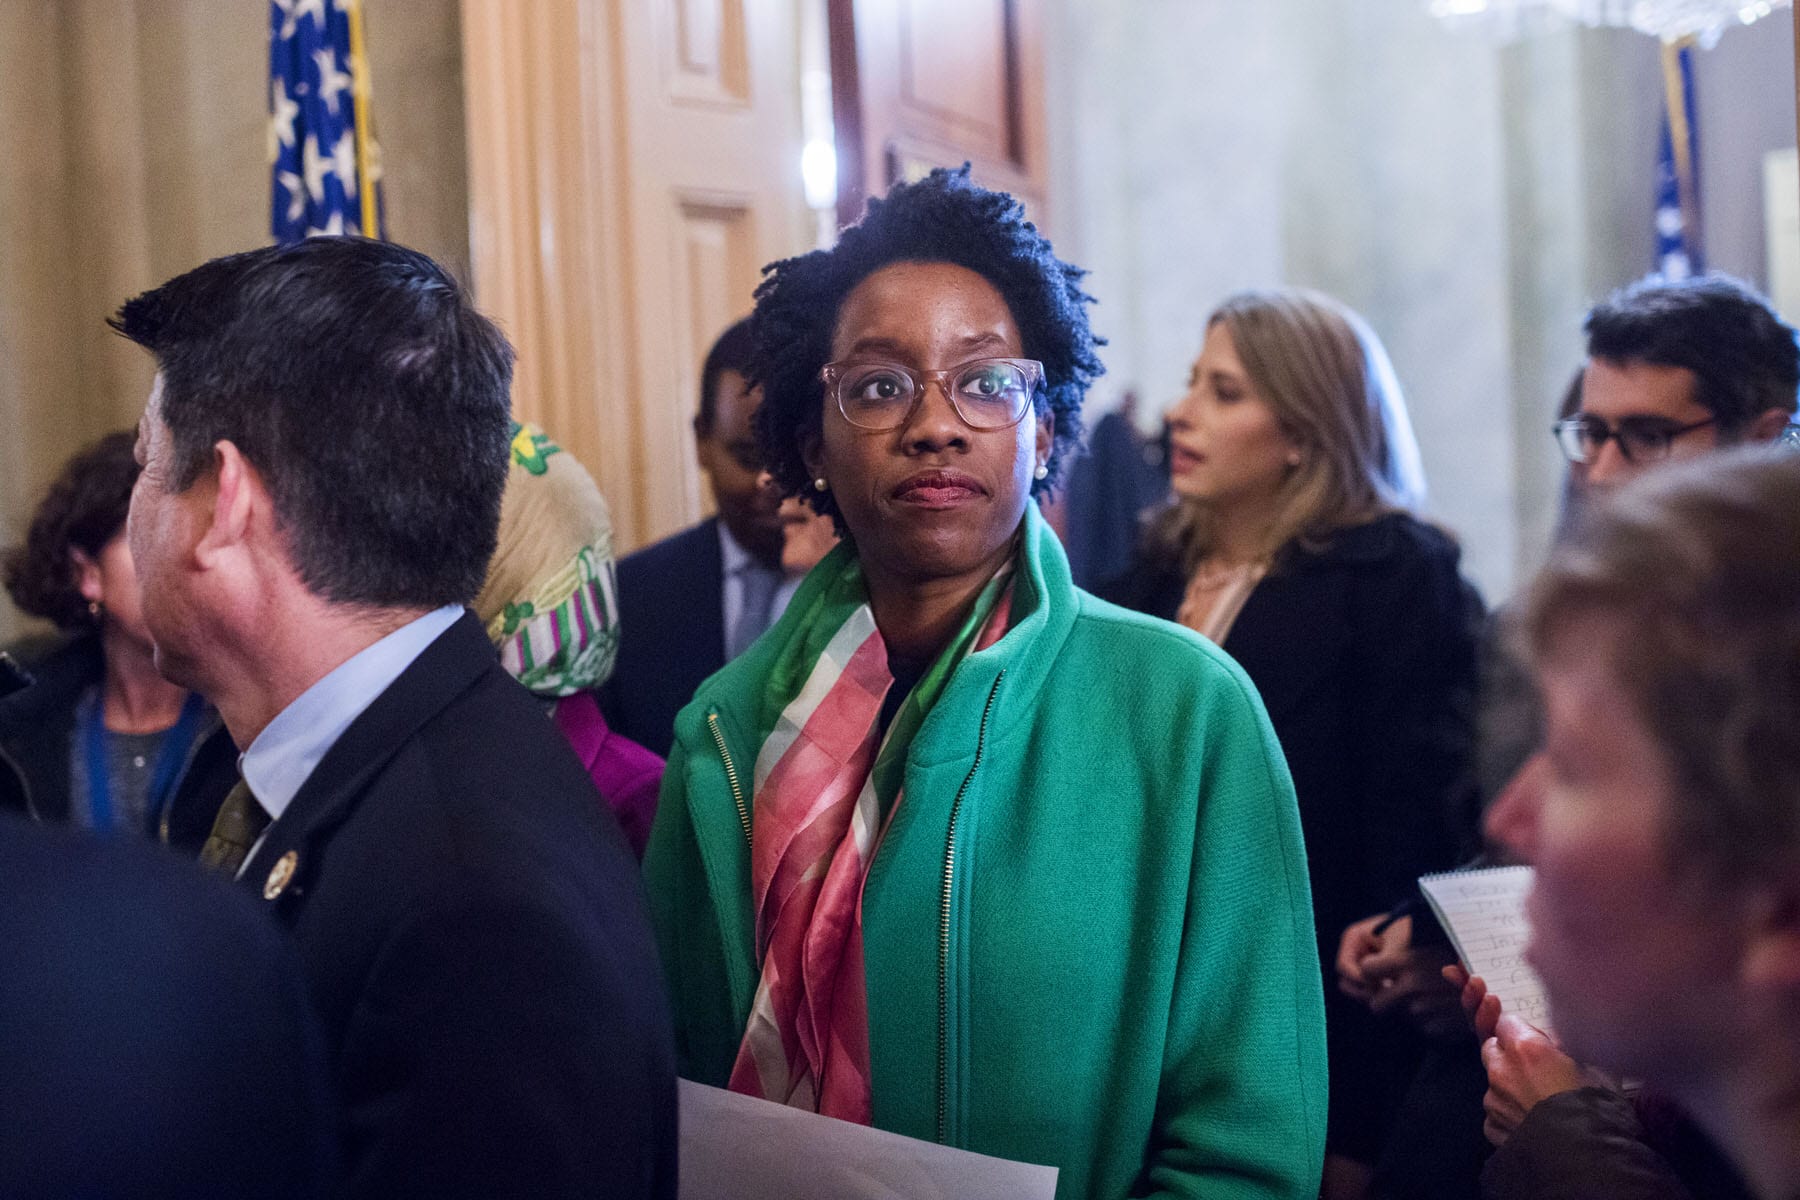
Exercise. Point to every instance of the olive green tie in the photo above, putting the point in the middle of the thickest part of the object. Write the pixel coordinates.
(240, 822)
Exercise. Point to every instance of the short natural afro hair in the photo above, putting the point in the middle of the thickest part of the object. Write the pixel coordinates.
(943, 218)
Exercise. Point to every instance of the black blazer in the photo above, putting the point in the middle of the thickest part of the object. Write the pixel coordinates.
(671, 634)
(1365, 654)
(156, 1039)
(475, 935)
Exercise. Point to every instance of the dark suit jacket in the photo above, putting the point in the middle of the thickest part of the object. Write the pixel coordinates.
(156, 1039)
(475, 935)
(1365, 654)
(671, 634)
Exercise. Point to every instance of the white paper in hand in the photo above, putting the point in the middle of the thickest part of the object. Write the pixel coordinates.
(740, 1148)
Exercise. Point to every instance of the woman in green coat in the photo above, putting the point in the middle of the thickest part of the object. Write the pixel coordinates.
(956, 849)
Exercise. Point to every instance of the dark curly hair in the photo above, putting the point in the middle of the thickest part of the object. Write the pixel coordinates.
(83, 510)
(946, 218)
(1744, 358)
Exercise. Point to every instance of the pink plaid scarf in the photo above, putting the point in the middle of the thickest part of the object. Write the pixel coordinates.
(826, 785)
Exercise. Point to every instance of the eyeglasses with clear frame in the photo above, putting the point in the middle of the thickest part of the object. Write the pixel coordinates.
(987, 393)
(1641, 439)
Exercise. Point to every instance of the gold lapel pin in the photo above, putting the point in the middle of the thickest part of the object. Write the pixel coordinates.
(280, 875)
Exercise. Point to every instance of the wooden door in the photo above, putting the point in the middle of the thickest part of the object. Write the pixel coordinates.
(633, 164)
(924, 83)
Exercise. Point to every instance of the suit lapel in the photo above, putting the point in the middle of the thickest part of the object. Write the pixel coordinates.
(449, 666)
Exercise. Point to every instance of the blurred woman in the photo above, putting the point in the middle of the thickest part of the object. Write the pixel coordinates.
(1291, 545)
(551, 608)
(100, 740)
(955, 849)
(1662, 818)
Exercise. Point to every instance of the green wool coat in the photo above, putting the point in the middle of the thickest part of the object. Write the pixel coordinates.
(1087, 930)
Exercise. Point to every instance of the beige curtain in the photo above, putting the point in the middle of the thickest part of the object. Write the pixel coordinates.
(133, 146)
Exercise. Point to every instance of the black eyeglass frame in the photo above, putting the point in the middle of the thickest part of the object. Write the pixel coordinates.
(1655, 437)
(832, 375)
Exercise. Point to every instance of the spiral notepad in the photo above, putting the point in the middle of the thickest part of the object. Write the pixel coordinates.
(1483, 911)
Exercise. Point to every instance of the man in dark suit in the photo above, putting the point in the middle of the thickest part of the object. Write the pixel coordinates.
(324, 451)
(697, 599)
(156, 1039)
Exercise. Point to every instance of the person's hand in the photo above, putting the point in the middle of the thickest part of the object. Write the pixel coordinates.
(1409, 980)
(1479, 1006)
(1358, 942)
(1523, 1067)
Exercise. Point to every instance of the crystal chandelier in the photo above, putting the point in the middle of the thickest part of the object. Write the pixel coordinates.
(1670, 20)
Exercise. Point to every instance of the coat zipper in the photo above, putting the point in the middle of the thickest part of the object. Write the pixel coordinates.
(731, 775)
(943, 1080)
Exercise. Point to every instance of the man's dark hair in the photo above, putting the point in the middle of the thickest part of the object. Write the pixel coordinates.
(373, 398)
(945, 218)
(730, 353)
(83, 510)
(1743, 356)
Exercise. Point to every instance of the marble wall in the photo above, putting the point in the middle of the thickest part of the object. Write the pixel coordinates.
(1470, 199)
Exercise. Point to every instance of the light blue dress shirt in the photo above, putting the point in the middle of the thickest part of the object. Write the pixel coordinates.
(737, 563)
(285, 753)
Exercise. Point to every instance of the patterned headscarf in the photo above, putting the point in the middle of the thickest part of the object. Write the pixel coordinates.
(550, 603)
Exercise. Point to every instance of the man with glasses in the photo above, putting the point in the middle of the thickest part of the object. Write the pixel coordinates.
(1675, 370)
(697, 599)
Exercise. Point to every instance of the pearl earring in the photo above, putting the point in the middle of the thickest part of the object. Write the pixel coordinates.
(1042, 472)
(819, 485)
(1293, 458)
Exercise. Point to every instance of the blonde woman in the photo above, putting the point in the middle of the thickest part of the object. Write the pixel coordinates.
(1290, 542)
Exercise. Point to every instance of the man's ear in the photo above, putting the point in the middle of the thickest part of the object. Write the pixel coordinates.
(1768, 425)
(1772, 939)
(239, 498)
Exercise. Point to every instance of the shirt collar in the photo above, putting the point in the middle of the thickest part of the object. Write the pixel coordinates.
(284, 754)
(733, 556)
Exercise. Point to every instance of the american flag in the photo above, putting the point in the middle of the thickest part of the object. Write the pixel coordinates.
(323, 177)
(1678, 252)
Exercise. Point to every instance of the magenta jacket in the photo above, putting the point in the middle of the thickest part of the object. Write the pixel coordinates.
(627, 775)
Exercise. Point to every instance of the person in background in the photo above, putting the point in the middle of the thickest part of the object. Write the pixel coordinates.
(957, 850)
(102, 741)
(1663, 814)
(696, 600)
(325, 449)
(806, 537)
(1291, 544)
(551, 608)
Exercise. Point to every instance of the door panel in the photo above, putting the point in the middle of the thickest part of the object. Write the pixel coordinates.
(938, 83)
(633, 163)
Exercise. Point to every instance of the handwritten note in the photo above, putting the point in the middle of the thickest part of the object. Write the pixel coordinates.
(1483, 911)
